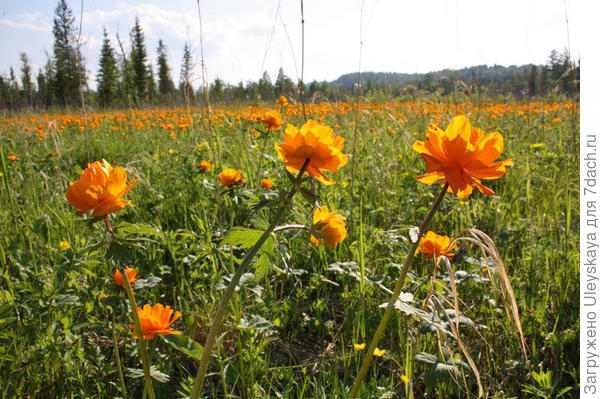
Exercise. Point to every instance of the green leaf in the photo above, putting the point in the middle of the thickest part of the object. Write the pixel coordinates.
(184, 345)
(66, 300)
(154, 373)
(149, 282)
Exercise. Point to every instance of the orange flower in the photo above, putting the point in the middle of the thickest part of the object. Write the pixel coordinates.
(461, 155)
(315, 142)
(12, 158)
(231, 176)
(271, 120)
(433, 245)
(331, 226)
(100, 187)
(156, 320)
(205, 166)
(282, 101)
(131, 276)
(267, 183)
(556, 120)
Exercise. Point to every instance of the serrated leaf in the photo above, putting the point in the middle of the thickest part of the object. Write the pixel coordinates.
(256, 322)
(426, 357)
(148, 282)
(66, 300)
(184, 345)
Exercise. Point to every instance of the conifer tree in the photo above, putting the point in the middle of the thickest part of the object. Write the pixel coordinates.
(185, 77)
(107, 74)
(67, 61)
(165, 83)
(138, 61)
(26, 82)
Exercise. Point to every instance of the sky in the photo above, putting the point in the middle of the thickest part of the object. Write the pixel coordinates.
(243, 38)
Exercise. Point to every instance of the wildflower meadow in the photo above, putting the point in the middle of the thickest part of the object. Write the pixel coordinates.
(292, 249)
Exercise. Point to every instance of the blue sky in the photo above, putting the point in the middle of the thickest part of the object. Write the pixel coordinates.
(244, 37)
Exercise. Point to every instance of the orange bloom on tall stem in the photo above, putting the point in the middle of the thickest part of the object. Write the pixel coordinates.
(271, 120)
(434, 246)
(231, 176)
(131, 276)
(205, 166)
(332, 227)
(314, 141)
(156, 320)
(282, 101)
(100, 187)
(462, 155)
(267, 183)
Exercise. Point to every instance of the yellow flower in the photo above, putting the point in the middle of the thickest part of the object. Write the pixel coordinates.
(156, 320)
(315, 142)
(100, 187)
(378, 352)
(536, 146)
(171, 151)
(131, 276)
(461, 155)
(64, 245)
(359, 347)
(231, 176)
(330, 226)
(404, 379)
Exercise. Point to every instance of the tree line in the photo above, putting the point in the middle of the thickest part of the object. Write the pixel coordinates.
(127, 78)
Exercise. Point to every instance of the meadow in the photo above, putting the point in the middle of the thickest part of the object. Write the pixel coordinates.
(296, 324)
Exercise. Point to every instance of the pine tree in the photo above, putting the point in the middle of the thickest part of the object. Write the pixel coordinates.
(185, 77)
(67, 62)
(531, 83)
(107, 73)
(138, 61)
(26, 82)
(165, 83)
(151, 82)
(283, 84)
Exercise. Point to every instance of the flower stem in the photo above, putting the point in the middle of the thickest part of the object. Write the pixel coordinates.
(222, 309)
(395, 294)
(118, 358)
(140, 336)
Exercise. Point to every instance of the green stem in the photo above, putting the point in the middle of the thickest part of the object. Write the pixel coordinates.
(222, 309)
(140, 335)
(118, 358)
(396, 294)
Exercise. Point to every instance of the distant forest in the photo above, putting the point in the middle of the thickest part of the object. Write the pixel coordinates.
(127, 78)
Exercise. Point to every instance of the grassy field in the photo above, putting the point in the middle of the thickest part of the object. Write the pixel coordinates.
(292, 327)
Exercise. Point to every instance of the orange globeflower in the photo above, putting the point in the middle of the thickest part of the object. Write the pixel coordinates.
(332, 227)
(267, 183)
(156, 320)
(282, 101)
(461, 155)
(433, 245)
(205, 166)
(12, 158)
(100, 187)
(271, 120)
(316, 142)
(231, 176)
(131, 276)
